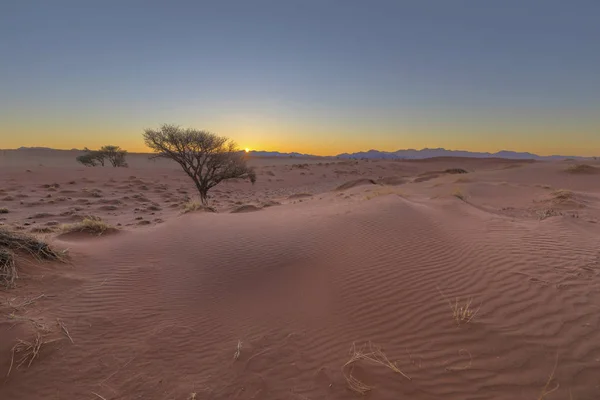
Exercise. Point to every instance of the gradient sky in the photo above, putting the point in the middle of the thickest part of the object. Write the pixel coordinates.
(315, 76)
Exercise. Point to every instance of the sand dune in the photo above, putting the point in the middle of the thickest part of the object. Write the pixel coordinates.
(160, 311)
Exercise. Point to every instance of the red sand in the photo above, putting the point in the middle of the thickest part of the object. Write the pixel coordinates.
(156, 311)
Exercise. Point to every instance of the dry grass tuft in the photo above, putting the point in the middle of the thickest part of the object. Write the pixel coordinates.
(3, 210)
(367, 352)
(8, 271)
(459, 194)
(19, 242)
(93, 225)
(562, 195)
(462, 314)
(195, 205)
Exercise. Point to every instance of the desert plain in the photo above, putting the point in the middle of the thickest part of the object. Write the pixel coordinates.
(444, 278)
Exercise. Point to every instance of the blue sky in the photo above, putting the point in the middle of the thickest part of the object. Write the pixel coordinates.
(323, 77)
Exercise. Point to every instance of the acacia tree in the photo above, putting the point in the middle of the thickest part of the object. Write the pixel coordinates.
(115, 155)
(205, 157)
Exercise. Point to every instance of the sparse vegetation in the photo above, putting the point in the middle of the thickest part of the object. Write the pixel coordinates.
(208, 159)
(93, 225)
(3, 210)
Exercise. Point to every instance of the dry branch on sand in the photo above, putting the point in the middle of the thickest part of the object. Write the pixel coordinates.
(27, 351)
(371, 353)
(93, 225)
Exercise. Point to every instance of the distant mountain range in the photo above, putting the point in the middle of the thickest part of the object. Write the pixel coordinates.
(430, 153)
(424, 153)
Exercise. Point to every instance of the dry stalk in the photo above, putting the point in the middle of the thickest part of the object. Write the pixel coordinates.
(238, 351)
(98, 396)
(547, 390)
(64, 329)
(367, 352)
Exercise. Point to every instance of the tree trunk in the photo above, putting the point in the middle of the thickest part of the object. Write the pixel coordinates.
(204, 197)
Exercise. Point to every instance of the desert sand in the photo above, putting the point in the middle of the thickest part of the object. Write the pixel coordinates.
(325, 256)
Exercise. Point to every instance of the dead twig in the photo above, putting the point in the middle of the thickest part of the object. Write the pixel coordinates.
(64, 329)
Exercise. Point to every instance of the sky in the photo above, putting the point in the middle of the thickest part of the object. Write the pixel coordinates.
(312, 76)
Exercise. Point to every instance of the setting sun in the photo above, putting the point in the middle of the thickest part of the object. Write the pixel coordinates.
(247, 150)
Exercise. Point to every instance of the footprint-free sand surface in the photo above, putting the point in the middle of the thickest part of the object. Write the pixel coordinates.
(327, 256)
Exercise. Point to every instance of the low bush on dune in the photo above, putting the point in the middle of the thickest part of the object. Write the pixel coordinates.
(93, 225)
(456, 171)
(3, 210)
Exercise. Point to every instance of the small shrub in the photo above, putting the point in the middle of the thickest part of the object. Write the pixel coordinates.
(3, 210)
(456, 171)
(459, 195)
